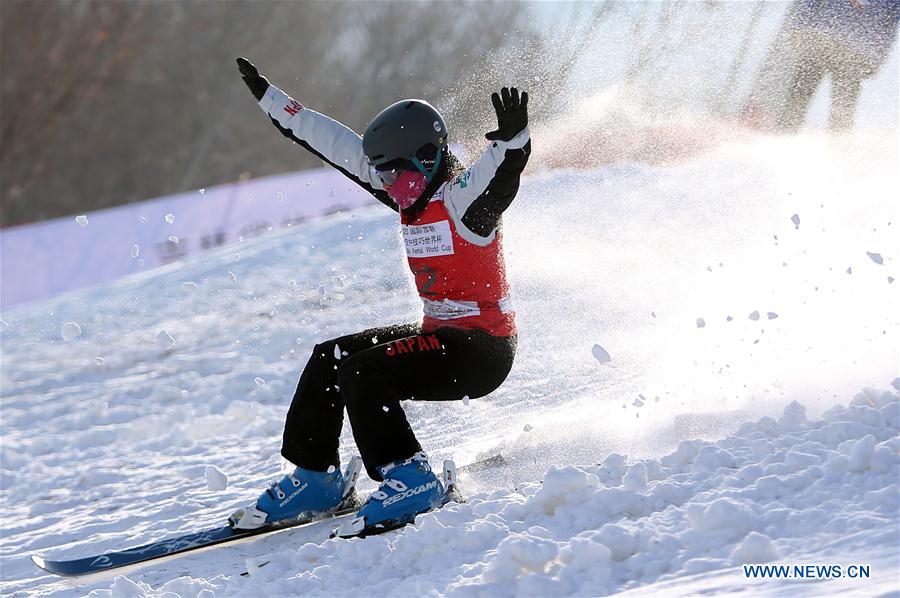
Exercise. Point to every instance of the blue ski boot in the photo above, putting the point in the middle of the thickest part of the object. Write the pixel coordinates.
(409, 489)
(303, 493)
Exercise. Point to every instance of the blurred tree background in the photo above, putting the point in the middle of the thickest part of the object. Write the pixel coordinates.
(107, 102)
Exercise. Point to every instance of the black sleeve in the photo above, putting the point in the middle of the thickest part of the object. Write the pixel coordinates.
(483, 215)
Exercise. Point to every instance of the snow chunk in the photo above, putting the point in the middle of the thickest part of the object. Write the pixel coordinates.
(699, 565)
(583, 559)
(190, 286)
(797, 461)
(164, 340)
(861, 453)
(465, 400)
(260, 381)
(254, 564)
(564, 486)
(620, 542)
(600, 354)
(754, 549)
(518, 555)
(754, 316)
(771, 315)
(721, 514)
(883, 459)
(70, 331)
(337, 352)
(701, 323)
(122, 587)
(170, 218)
(82, 220)
(875, 257)
(635, 478)
(215, 479)
(712, 457)
(796, 220)
(135, 250)
(614, 461)
(794, 415)
(684, 454)
(886, 499)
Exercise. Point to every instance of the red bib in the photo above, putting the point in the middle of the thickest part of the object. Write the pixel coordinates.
(462, 285)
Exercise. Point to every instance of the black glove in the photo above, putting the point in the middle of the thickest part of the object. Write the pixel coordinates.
(512, 114)
(256, 82)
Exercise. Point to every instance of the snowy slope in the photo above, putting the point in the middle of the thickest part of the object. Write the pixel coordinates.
(716, 306)
(783, 490)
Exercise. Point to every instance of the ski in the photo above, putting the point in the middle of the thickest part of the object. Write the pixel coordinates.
(219, 535)
(196, 540)
(227, 533)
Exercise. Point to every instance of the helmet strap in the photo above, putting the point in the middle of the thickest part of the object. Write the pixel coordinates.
(428, 172)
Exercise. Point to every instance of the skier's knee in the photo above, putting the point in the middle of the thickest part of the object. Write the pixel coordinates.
(322, 351)
(348, 375)
(355, 375)
(318, 362)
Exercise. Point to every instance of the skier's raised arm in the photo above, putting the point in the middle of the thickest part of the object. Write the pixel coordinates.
(478, 197)
(326, 138)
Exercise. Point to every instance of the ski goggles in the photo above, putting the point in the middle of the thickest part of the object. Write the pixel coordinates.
(389, 177)
(391, 171)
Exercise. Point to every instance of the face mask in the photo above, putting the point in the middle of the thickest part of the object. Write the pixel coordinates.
(407, 188)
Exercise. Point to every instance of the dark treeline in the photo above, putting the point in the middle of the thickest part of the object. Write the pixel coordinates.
(109, 102)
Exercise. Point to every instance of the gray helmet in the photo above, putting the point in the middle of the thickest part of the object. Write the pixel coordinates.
(401, 130)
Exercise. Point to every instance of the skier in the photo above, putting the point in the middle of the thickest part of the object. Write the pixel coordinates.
(465, 345)
(847, 39)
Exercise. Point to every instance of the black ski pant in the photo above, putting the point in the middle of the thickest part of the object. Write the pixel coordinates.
(369, 373)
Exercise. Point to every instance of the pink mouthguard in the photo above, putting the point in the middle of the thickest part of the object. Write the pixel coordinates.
(407, 188)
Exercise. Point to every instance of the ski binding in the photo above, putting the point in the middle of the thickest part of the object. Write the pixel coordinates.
(357, 528)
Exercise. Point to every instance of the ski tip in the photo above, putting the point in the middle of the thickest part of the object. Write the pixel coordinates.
(39, 561)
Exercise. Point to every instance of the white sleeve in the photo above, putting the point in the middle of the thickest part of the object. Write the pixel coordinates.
(334, 142)
(462, 191)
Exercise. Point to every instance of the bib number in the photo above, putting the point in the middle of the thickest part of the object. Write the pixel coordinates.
(425, 278)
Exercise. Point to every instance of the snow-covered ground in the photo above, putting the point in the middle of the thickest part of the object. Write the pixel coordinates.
(724, 289)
